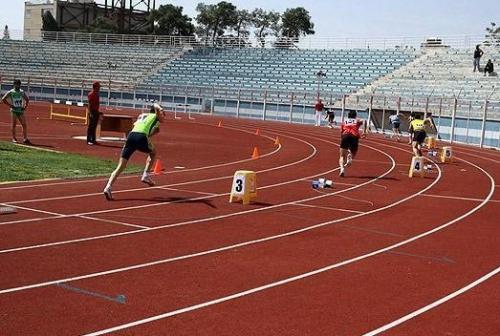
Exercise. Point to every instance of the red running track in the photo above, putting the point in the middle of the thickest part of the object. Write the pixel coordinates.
(378, 253)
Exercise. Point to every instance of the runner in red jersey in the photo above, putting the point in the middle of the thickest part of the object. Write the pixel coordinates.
(349, 133)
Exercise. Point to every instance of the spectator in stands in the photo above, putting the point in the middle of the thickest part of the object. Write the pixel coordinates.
(477, 57)
(139, 138)
(395, 123)
(18, 102)
(94, 114)
(489, 68)
(319, 107)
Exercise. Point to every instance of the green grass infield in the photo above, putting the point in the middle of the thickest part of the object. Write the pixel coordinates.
(23, 163)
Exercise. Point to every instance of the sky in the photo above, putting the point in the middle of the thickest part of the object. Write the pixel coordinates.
(352, 18)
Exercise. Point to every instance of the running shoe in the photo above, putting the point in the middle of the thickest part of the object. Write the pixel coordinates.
(148, 181)
(341, 172)
(27, 142)
(107, 193)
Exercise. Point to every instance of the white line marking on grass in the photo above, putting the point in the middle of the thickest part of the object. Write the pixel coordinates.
(321, 270)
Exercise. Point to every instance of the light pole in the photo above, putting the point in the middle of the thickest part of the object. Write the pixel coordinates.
(319, 77)
(110, 66)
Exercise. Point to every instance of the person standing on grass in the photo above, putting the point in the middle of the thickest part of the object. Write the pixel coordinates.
(146, 126)
(349, 132)
(94, 114)
(18, 102)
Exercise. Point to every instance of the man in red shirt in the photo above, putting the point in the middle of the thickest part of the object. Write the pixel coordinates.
(94, 113)
(349, 132)
(319, 107)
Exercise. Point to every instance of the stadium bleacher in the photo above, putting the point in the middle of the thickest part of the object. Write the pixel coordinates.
(82, 61)
(281, 70)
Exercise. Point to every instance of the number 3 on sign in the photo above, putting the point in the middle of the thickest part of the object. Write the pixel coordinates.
(239, 185)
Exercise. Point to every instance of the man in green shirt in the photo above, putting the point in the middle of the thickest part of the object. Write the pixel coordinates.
(139, 138)
(18, 102)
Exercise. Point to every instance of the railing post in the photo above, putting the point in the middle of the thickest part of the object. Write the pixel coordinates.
(238, 104)
(453, 115)
(426, 111)
(468, 122)
(370, 107)
(81, 93)
(213, 101)
(483, 124)
(343, 109)
(383, 115)
(264, 106)
(291, 108)
(55, 88)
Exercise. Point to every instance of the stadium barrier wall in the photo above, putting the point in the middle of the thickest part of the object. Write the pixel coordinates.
(456, 120)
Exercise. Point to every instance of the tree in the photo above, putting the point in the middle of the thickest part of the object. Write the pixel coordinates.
(296, 22)
(493, 35)
(265, 23)
(48, 22)
(169, 20)
(243, 20)
(215, 19)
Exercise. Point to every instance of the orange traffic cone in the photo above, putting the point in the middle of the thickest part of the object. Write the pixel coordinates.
(158, 168)
(255, 154)
(220, 123)
(257, 132)
(277, 141)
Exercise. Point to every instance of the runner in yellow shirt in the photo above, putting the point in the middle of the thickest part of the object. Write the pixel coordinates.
(139, 138)
(418, 133)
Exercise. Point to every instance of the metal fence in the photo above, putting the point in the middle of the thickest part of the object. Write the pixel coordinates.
(457, 120)
(307, 42)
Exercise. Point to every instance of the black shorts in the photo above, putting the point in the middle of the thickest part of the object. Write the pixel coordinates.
(349, 141)
(136, 141)
(419, 136)
(395, 125)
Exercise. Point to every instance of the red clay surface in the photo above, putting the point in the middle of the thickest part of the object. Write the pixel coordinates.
(375, 253)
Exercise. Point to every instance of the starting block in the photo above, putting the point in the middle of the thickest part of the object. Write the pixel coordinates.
(417, 166)
(446, 154)
(431, 142)
(244, 186)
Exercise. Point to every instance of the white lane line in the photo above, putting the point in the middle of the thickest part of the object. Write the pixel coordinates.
(189, 191)
(113, 222)
(208, 218)
(327, 208)
(313, 153)
(220, 249)
(30, 209)
(458, 198)
(137, 175)
(58, 198)
(308, 274)
(434, 304)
